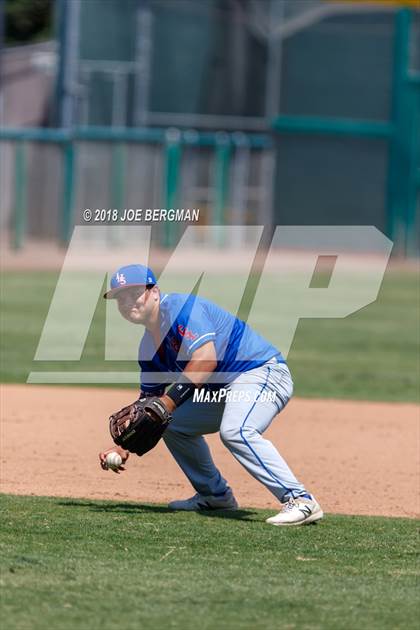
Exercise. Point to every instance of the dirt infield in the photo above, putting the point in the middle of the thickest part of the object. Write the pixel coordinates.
(357, 457)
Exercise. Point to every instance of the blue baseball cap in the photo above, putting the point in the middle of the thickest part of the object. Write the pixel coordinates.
(130, 276)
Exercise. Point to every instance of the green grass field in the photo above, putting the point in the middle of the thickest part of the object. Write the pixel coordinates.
(372, 354)
(103, 565)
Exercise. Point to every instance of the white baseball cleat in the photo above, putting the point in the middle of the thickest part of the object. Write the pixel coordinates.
(299, 511)
(200, 502)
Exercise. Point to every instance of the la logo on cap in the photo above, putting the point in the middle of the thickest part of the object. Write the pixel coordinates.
(121, 278)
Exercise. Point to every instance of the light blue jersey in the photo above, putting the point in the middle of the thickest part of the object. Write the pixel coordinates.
(187, 322)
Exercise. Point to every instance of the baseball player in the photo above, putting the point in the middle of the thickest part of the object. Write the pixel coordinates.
(228, 379)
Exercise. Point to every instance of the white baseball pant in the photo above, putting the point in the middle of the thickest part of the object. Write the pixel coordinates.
(257, 396)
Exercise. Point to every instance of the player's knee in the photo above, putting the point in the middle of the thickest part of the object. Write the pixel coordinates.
(175, 433)
(230, 435)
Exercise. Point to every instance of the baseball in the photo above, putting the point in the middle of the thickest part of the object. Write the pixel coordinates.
(113, 460)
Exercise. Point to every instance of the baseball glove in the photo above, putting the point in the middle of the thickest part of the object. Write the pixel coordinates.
(139, 427)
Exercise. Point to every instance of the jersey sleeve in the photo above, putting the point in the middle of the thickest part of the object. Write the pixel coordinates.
(195, 329)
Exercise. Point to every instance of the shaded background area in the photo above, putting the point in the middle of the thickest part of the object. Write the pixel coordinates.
(256, 111)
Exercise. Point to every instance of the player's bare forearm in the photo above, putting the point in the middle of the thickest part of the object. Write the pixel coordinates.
(203, 362)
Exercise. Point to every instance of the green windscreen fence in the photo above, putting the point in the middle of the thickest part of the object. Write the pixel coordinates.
(186, 58)
(211, 57)
(200, 58)
(341, 67)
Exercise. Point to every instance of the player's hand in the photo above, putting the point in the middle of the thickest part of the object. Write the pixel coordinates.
(114, 449)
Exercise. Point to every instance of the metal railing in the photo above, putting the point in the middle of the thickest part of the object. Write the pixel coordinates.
(225, 150)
